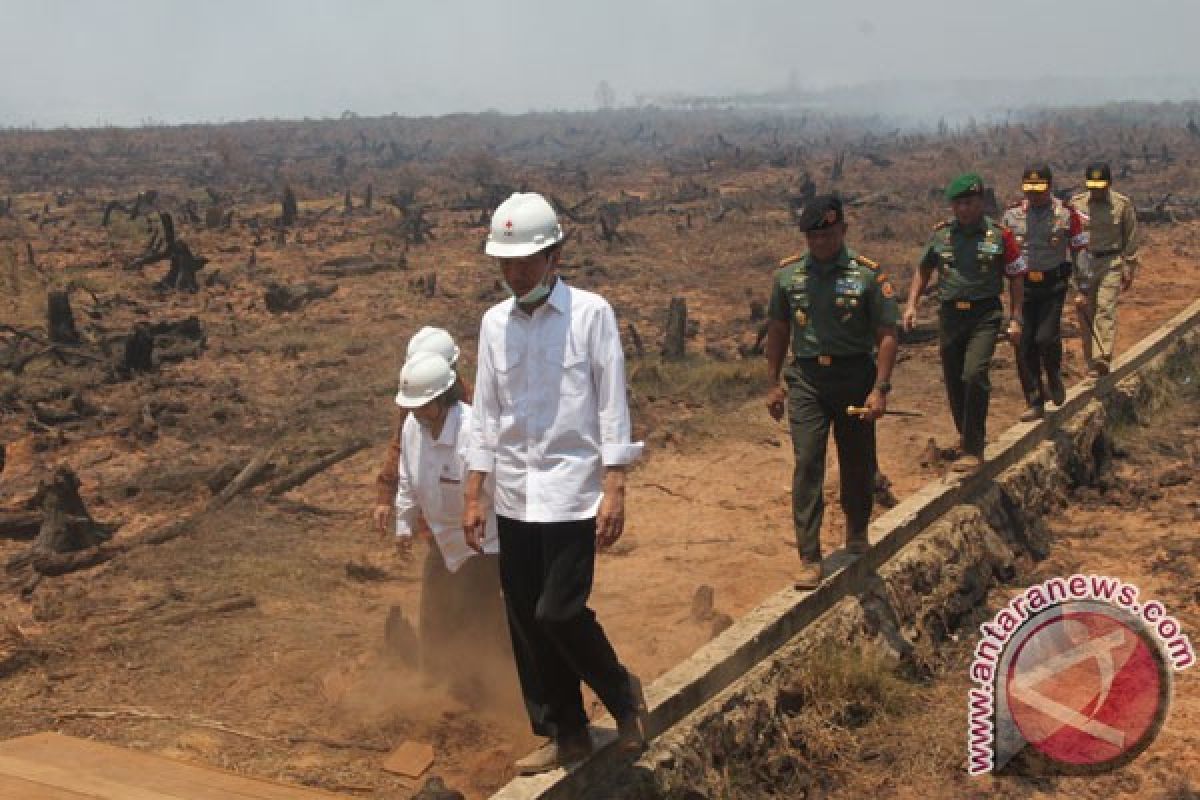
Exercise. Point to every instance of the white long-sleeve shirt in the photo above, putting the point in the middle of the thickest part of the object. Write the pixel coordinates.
(550, 406)
(431, 475)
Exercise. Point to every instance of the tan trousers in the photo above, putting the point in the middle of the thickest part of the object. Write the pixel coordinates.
(1101, 312)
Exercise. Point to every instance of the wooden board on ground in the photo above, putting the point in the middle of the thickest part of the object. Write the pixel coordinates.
(50, 766)
(410, 759)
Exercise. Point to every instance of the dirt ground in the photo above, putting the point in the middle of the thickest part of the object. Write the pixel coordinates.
(153, 650)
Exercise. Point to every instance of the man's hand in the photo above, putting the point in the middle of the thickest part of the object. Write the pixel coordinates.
(776, 402)
(474, 523)
(876, 406)
(383, 517)
(910, 318)
(610, 520)
(1014, 332)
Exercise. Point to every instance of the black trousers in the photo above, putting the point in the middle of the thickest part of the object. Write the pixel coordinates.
(1041, 341)
(546, 571)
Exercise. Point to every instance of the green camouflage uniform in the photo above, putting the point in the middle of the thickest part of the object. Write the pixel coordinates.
(834, 311)
(970, 263)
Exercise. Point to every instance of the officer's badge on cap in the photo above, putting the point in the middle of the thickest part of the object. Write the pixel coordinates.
(1099, 176)
(1036, 179)
(964, 185)
(823, 211)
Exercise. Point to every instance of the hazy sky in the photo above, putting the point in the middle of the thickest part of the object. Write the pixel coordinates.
(124, 61)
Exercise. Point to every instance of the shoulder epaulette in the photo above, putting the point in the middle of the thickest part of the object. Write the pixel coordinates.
(942, 224)
(866, 262)
(791, 260)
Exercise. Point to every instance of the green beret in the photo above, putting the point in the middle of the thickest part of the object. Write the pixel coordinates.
(964, 186)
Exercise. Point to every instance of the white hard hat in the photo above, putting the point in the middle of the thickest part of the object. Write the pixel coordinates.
(522, 225)
(425, 376)
(433, 340)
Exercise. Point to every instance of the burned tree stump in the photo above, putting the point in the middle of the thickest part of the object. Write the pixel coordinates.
(139, 350)
(290, 211)
(67, 527)
(184, 264)
(673, 344)
(60, 321)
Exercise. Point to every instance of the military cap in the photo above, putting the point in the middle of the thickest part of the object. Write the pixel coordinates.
(1036, 179)
(1099, 175)
(965, 185)
(823, 211)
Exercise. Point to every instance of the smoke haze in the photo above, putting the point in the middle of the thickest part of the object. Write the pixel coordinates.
(126, 62)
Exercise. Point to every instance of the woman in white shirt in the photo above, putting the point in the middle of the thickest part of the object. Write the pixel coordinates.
(464, 634)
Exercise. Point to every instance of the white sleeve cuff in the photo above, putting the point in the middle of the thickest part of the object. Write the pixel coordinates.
(481, 461)
(619, 455)
(405, 518)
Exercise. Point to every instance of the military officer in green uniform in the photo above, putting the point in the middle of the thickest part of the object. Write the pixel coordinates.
(972, 256)
(835, 308)
(1111, 230)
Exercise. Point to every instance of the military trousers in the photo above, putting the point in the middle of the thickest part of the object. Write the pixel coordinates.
(1041, 349)
(817, 399)
(967, 342)
(1102, 293)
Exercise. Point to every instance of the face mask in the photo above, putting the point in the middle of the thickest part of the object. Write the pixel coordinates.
(534, 295)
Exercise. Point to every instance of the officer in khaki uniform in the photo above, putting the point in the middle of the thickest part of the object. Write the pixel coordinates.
(1110, 222)
(972, 255)
(1050, 234)
(834, 307)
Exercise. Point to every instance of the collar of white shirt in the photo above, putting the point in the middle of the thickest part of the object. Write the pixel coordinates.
(449, 434)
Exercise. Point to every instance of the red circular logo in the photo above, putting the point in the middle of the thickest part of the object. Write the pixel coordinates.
(1087, 690)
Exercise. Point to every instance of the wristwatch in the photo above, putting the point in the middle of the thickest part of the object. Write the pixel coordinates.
(884, 387)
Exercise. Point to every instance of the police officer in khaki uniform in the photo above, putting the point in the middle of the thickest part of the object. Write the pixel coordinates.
(834, 307)
(972, 255)
(1049, 233)
(1110, 222)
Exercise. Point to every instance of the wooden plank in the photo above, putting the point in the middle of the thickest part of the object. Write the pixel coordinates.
(130, 771)
(76, 780)
(410, 759)
(13, 788)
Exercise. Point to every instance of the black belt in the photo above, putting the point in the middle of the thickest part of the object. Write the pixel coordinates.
(961, 306)
(1116, 251)
(829, 361)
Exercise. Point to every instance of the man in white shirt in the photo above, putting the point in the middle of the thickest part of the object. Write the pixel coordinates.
(551, 427)
(462, 610)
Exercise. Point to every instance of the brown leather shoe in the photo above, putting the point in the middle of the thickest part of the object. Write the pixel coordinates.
(809, 576)
(631, 728)
(561, 751)
(1034, 412)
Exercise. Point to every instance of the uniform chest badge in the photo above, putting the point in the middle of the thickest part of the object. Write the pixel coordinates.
(801, 318)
